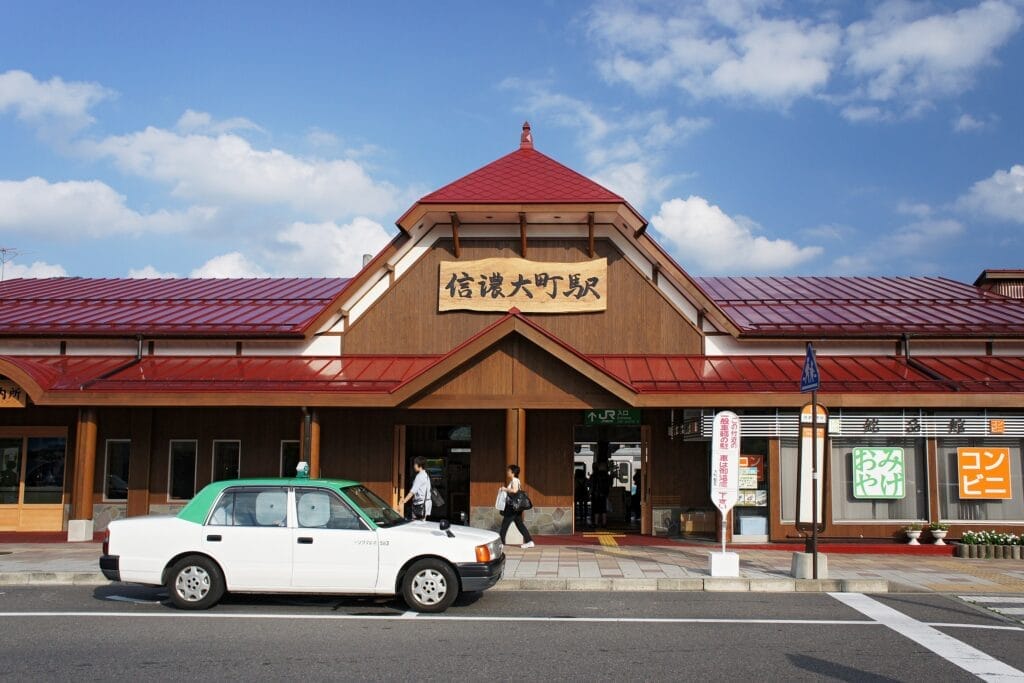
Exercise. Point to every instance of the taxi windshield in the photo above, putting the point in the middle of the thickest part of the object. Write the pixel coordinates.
(373, 507)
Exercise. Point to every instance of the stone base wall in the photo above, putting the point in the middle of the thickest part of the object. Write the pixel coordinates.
(105, 513)
(547, 521)
(666, 521)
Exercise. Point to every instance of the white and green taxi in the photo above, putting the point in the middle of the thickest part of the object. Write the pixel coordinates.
(299, 536)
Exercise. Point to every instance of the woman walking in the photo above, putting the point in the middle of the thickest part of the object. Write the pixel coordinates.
(511, 516)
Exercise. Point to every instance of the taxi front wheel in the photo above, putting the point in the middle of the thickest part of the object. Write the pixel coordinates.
(430, 586)
(195, 582)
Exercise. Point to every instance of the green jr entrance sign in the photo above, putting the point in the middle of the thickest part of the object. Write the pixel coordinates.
(612, 416)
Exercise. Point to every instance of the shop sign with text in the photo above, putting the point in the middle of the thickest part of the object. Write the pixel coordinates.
(879, 473)
(11, 395)
(983, 473)
(612, 416)
(498, 284)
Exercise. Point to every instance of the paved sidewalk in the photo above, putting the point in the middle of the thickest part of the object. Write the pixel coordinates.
(599, 567)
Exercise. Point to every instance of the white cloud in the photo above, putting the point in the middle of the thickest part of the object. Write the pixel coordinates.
(1000, 196)
(902, 54)
(894, 63)
(633, 181)
(720, 49)
(149, 272)
(966, 123)
(919, 209)
(75, 208)
(304, 250)
(708, 240)
(234, 264)
(920, 236)
(51, 105)
(226, 168)
(201, 122)
(36, 269)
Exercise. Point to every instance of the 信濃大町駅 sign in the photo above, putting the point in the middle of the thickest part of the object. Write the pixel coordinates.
(498, 284)
(11, 395)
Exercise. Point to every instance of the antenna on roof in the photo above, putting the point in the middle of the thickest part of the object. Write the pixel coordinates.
(526, 139)
(6, 254)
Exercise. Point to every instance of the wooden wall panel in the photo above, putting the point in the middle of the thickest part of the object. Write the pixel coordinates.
(638, 320)
(489, 374)
(548, 473)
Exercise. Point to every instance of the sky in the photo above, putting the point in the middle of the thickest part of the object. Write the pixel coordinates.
(758, 137)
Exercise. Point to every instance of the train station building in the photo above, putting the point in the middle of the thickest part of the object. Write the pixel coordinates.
(522, 314)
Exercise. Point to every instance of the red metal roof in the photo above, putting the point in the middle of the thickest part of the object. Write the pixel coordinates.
(212, 374)
(525, 175)
(862, 307)
(685, 374)
(645, 374)
(256, 307)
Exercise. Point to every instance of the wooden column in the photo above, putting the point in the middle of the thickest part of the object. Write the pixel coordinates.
(85, 464)
(932, 468)
(314, 446)
(139, 461)
(515, 437)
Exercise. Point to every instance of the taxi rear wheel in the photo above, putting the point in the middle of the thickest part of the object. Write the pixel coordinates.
(430, 586)
(195, 582)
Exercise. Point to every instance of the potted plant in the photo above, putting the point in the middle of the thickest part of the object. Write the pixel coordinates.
(913, 532)
(938, 531)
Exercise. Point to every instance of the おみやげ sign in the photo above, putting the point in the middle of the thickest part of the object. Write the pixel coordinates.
(879, 473)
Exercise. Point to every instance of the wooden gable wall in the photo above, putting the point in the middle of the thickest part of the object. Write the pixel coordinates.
(639, 320)
(515, 373)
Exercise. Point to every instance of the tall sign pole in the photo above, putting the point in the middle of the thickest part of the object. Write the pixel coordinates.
(810, 380)
(725, 460)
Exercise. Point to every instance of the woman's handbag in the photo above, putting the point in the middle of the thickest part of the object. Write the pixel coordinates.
(520, 501)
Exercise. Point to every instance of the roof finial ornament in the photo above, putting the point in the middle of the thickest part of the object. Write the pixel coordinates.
(526, 140)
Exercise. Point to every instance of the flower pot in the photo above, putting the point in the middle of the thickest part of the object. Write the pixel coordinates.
(962, 550)
(1015, 552)
(913, 535)
(938, 535)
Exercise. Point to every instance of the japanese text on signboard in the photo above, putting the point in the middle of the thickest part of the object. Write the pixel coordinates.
(498, 284)
(983, 472)
(11, 395)
(879, 473)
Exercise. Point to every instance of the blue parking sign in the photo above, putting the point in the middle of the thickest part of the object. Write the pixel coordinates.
(810, 380)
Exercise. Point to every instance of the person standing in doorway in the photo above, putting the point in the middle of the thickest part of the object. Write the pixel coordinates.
(420, 491)
(510, 516)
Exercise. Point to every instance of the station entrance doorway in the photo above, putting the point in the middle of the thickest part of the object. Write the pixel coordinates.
(610, 464)
(447, 449)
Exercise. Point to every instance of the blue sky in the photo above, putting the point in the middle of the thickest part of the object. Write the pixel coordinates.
(758, 137)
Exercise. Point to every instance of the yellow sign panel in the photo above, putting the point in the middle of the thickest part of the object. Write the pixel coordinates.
(983, 473)
(498, 284)
(11, 395)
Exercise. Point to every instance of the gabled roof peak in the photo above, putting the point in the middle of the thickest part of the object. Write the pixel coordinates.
(526, 139)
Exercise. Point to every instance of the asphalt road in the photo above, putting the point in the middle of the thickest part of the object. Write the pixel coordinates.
(85, 633)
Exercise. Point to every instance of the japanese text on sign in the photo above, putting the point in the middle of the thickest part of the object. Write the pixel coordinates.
(879, 473)
(725, 457)
(11, 395)
(498, 284)
(983, 473)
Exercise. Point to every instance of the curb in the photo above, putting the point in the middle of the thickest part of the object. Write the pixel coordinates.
(716, 584)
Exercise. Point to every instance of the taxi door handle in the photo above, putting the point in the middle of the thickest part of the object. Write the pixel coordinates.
(213, 537)
(306, 540)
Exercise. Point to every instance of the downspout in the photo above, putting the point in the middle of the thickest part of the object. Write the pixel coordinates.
(119, 368)
(307, 431)
(924, 369)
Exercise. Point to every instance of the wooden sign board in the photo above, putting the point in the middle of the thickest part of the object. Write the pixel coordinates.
(11, 395)
(498, 284)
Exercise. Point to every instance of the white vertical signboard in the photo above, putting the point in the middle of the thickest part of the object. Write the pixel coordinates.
(725, 464)
(811, 471)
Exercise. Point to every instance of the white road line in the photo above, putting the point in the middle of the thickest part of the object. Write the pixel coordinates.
(990, 627)
(1009, 610)
(409, 615)
(968, 658)
(991, 598)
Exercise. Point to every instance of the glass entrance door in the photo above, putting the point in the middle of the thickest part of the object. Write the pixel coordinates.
(32, 483)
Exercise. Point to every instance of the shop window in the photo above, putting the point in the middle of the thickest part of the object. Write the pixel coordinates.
(115, 481)
(44, 470)
(750, 516)
(10, 470)
(873, 481)
(182, 474)
(788, 477)
(226, 460)
(289, 458)
(972, 480)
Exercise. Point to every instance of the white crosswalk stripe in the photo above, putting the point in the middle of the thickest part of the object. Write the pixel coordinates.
(1008, 606)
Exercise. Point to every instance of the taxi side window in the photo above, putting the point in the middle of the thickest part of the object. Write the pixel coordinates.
(324, 510)
(251, 508)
